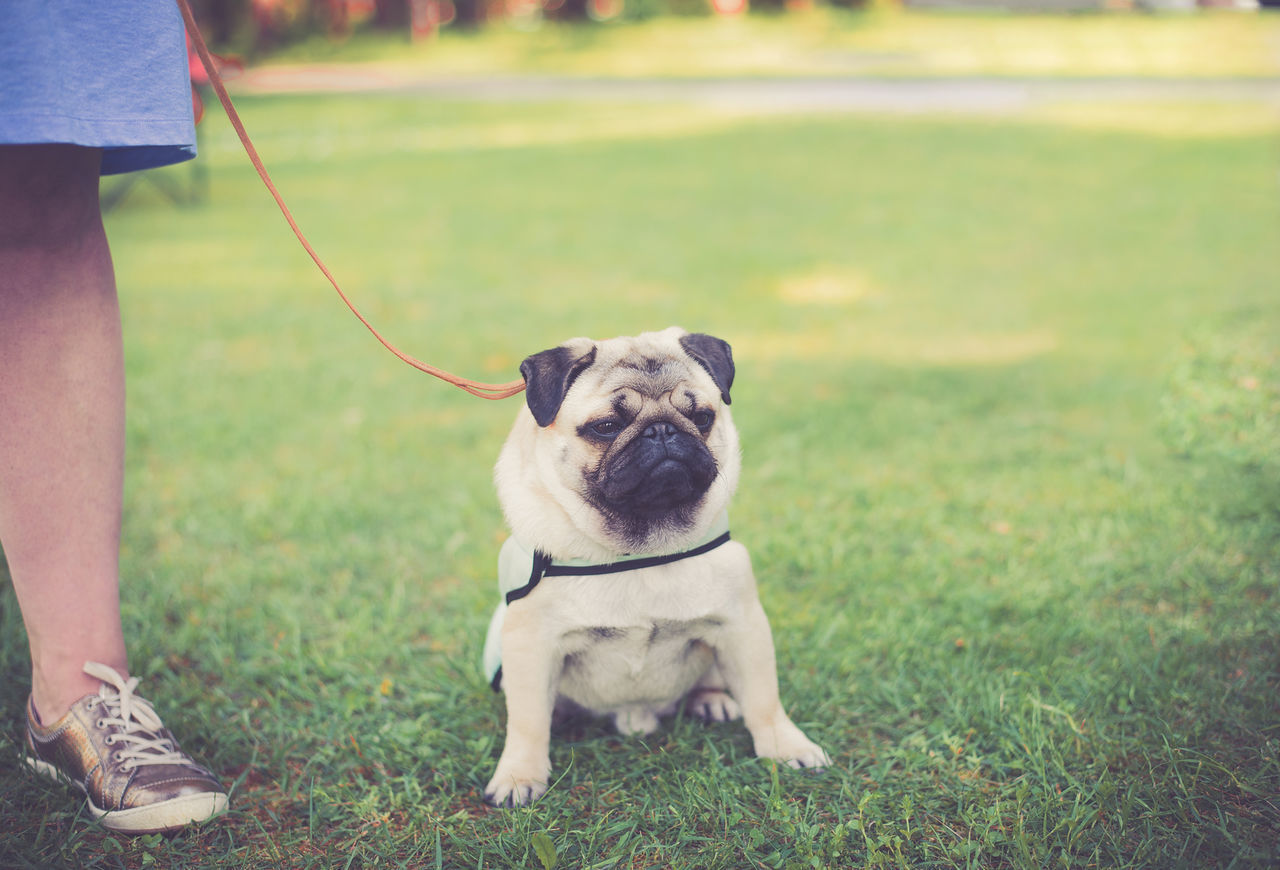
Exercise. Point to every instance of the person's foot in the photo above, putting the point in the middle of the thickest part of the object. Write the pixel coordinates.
(114, 748)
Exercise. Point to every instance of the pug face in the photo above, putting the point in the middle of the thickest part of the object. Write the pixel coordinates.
(625, 446)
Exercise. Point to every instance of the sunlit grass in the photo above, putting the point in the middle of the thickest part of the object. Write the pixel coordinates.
(1179, 120)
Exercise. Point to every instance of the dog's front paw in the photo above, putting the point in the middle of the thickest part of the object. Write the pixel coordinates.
(812, 756)
(511, 787)
(713, 705)
(789, 745)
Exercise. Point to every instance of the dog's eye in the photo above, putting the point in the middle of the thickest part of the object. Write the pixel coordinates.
(605, 428)
(703, 419)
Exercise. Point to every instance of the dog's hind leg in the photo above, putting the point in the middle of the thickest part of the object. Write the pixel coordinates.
(710, 701)
(636, 721)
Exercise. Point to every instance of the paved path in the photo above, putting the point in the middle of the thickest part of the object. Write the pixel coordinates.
(969, 95)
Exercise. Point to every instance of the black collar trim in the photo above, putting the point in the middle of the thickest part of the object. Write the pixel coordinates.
(544, 566)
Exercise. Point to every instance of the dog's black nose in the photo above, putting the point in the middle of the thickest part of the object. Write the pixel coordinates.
(659, 431)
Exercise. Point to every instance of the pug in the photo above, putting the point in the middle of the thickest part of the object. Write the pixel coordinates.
(622, 591)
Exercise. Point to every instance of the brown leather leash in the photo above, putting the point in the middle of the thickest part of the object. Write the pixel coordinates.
(484, 391)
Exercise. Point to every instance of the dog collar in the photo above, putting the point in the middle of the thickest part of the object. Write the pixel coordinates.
(521, 569)
(542, 565)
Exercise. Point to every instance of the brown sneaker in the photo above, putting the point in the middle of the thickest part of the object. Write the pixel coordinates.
(114, 748)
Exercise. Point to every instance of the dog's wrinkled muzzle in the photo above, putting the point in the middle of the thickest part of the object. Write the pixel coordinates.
(664, 468)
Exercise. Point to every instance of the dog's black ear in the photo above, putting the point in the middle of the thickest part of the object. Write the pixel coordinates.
(547, 378)
(714, 355)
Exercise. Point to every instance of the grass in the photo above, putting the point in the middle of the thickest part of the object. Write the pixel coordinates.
(1008, 394)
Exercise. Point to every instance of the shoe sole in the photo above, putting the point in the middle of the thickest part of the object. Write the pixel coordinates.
(151, 819)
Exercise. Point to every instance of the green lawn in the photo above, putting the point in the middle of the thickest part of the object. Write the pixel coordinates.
(1008, 395)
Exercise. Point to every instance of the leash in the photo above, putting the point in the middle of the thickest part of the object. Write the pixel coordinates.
(475, 388)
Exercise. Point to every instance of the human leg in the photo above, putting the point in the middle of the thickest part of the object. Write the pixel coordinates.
(61, 481)
(61, 418)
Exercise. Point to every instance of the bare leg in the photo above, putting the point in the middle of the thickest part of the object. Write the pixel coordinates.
(61, 418)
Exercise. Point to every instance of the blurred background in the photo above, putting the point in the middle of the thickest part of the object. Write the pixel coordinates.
(263, 25)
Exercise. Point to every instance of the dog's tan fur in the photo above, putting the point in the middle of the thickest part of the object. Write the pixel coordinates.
(634, 645)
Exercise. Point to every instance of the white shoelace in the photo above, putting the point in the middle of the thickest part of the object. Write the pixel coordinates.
(136, 719)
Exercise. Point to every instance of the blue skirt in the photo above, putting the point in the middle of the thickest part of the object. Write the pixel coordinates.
(99, 74)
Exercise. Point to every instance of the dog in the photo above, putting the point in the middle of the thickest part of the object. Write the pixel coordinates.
(623, 594)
